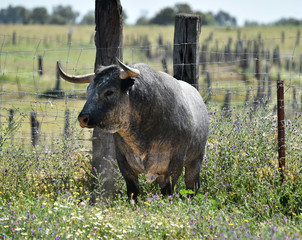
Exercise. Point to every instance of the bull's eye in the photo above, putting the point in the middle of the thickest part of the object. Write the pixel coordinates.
(108, 93)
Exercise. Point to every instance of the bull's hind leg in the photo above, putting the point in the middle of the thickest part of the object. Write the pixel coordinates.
(192, 173)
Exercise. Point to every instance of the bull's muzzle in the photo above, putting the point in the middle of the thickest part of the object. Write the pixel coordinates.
(84, 120)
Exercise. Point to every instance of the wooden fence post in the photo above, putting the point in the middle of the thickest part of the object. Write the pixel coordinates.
(244, 61)
(14, 38)
(281, 126)
(58, 80)
(295, 102)
(40, 65)
(227, 103)
(35, 128)
(186, 47)
(258, 77)
(108, 41)
(69, 35)
(209, 87)
(67, 124)
(11, 123)
(276, 56)
(203, 58)
(298, 37)
(165, 67)
(282, 37)
(269, 87)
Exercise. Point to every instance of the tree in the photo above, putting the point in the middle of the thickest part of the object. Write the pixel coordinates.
(183, 8)
(206, 18)
(125, 16)
(288, 21)
(223, 18)
(164, 17)
(39, 15)
(142, 21)
(109, 43)
(14, 15)
(88, 19)
(63, 15)
(251, 23)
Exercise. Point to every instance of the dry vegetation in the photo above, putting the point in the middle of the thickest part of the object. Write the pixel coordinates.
(45, 192)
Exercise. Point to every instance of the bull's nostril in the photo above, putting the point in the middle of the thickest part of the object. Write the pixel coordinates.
(85, 120)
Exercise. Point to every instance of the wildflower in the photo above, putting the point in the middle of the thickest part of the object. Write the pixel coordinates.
(246, 220)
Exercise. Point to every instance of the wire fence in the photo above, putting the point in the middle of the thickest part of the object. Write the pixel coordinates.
(233, 73)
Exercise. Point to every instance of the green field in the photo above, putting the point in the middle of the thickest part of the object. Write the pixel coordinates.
(46, 192)
(22, 85)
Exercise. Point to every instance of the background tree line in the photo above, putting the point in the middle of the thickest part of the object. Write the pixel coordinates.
(20, 15)
(63, 15)
(66, 15)
(166, 16)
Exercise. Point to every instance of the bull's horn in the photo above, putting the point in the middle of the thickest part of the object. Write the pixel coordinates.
(128, 71)
(87, 78)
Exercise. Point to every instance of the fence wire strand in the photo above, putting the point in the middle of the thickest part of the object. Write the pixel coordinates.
(225, 70)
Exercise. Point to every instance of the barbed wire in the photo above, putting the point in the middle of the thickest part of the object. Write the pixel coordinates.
(24, 89)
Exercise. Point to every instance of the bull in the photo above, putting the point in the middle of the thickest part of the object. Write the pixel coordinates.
(159, 124)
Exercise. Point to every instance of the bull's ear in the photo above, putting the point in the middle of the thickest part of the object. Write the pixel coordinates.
(126, 84)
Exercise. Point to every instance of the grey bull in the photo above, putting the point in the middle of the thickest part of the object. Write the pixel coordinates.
(160, 124)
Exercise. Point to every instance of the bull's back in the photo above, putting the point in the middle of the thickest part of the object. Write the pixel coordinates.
(200, 121)
(197, 113)
(186, 119)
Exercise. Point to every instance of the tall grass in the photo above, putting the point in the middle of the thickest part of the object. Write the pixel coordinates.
(46, 192)
(47, 195)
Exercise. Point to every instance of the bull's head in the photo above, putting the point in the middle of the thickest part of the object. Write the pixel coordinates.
(107, 104)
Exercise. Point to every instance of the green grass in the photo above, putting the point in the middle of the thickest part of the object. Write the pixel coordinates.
(46, 195)
(46, 192)
(21, 83)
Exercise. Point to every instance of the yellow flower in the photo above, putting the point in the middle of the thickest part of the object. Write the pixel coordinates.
(231, 224)
(246, 220)
(148, 204)
(294, 213)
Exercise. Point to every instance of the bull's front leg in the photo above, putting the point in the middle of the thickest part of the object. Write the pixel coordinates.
(129, 175)
(167, 182)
